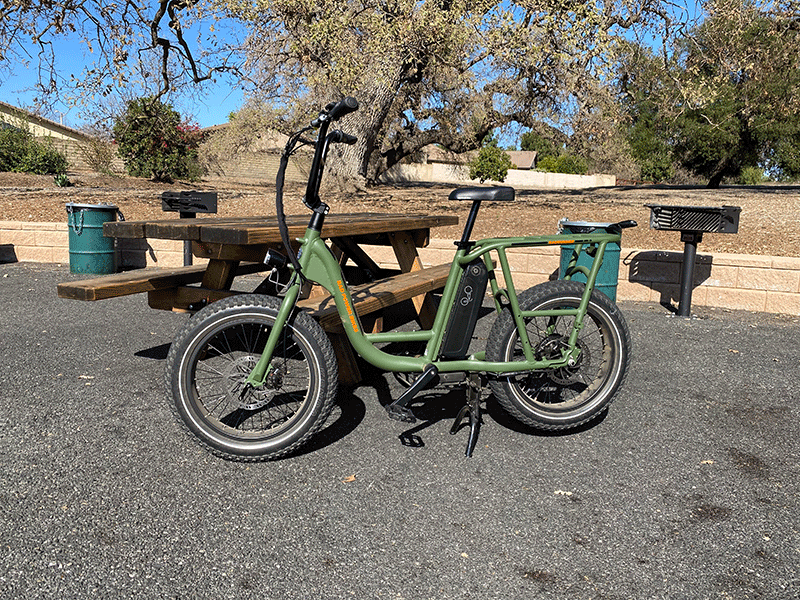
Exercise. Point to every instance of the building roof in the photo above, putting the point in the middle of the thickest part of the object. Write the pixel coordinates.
(47, 124)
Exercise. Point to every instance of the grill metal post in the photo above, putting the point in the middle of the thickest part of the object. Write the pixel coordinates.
(187, 245)
(690, 239)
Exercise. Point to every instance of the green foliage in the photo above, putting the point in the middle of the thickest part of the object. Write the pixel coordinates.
(723, 102)
(22, 153)
(154, 142)
(564, 163)
(61, 180)
(648, 146)
(751, 176)
(533, 142)
(717, 140)
(491, 163)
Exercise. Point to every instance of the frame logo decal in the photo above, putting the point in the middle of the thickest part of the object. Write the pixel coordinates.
(350, 312)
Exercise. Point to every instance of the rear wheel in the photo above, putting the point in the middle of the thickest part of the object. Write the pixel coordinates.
(208, 365)
(566, 397)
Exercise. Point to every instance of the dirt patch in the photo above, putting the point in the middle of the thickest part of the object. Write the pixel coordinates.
(769, 223)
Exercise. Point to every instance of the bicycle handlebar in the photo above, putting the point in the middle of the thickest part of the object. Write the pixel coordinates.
(343, 138)
(332, 112)
(335, 111)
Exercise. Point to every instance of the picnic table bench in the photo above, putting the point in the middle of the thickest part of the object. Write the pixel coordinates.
(237, 246)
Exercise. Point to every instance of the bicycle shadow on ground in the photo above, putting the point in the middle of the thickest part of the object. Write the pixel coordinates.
(502, 418)
(347, 414)
(348, 411)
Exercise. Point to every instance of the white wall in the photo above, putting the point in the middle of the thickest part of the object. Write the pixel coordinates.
(459, 174)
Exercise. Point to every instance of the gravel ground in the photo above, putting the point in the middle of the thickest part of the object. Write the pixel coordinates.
(687, 489)
(769, 222)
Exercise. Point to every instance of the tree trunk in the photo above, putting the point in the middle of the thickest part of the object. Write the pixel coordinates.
(351, 163)
(716, 179)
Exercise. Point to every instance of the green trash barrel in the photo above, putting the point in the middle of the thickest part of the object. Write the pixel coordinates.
(89, 250)
(608, 276)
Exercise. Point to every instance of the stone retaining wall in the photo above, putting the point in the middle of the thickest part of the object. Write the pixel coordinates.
(735, 281)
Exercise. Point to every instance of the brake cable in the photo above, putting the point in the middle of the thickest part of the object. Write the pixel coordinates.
(279, 181)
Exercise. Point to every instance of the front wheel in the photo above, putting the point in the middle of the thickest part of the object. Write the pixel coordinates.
(208, 365)
(569, 396)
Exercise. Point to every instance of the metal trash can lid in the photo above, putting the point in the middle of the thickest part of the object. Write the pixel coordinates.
(74, 206)
(581, 226)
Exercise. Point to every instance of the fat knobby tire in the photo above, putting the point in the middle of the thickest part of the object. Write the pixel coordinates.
(246, 310)
(520, 394)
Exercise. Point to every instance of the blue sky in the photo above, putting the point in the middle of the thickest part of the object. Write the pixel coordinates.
(211, 107)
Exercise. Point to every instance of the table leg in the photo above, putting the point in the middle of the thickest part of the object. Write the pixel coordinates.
(219, 274)
(408, 258)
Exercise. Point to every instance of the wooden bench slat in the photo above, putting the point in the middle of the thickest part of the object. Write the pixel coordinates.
(367, 298)
(139, 280)
(374, 296)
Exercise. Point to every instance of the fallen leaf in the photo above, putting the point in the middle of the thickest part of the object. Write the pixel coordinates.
(731, 350)
(706, 462)
(349, 479)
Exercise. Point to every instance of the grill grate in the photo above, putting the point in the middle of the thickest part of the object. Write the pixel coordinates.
(724, 219)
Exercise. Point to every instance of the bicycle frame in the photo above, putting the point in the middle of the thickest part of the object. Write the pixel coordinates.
(319, 265)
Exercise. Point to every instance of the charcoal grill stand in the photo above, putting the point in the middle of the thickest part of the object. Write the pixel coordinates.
(692, 222)
(187, 204)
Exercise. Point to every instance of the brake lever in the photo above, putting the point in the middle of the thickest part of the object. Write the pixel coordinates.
(341, 137)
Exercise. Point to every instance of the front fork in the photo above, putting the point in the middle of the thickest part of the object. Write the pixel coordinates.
(259, 373)
(308, 246)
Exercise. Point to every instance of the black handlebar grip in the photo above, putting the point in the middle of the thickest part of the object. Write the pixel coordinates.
(627, 224)
(345, 107)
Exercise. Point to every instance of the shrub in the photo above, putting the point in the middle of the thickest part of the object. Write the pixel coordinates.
(98, 154)
(491, 163)
(751, 176)
(657, 168)
(154, 142)
(22, 153)
(565, 163)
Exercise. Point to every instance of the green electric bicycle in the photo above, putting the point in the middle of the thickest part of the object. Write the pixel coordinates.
(254, 378)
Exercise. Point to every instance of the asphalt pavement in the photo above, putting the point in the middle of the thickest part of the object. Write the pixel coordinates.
(688, 488)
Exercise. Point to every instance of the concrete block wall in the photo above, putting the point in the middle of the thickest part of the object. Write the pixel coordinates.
(735, 281)
(49, 243)
(519, 178)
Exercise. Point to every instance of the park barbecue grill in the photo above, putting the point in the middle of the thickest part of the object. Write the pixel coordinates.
(188, 203)
(692, 222)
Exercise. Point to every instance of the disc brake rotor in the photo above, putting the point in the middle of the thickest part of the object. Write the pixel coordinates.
(236, 377)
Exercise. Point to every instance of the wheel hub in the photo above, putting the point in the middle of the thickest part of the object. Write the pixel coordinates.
(552, 347)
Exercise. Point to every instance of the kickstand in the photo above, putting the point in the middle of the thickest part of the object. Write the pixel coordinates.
(473, 409)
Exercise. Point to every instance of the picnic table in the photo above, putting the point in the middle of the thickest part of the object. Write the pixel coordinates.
(237, 246)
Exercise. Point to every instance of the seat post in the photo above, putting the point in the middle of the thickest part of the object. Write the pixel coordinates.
(473, 214)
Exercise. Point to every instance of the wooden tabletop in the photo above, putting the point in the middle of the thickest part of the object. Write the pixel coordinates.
(246, 231)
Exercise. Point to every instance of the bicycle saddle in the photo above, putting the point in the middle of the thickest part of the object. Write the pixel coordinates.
(490, 194)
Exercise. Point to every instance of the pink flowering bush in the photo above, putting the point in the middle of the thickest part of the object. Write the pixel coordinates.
(154, 142)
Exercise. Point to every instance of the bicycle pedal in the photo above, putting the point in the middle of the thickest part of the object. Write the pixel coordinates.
(400, 413)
